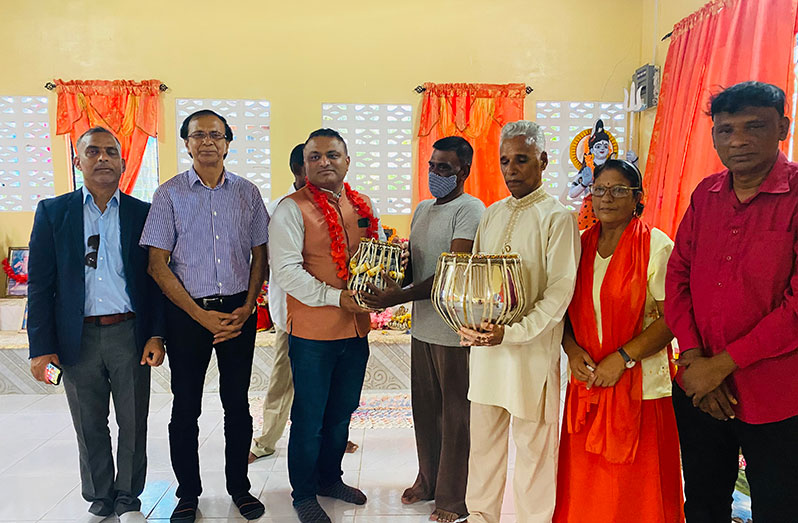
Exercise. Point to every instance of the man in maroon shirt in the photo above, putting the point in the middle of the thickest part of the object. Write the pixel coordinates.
(732, 302)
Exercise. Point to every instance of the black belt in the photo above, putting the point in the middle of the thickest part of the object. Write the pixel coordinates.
(218, 302)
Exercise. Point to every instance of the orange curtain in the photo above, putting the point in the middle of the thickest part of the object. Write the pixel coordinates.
(476, 112)
(131, 110)
(725, 42)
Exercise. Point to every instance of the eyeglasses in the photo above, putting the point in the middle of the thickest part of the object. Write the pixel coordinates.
(91, 257)
(201, 135)
(617, 191)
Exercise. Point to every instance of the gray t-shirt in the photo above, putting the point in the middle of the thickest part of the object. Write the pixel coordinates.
(431, 233)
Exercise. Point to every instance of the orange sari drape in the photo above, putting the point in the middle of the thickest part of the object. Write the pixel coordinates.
(615, 432)
(477, 112)
(723, 43)
(619, 454)
(130, 110)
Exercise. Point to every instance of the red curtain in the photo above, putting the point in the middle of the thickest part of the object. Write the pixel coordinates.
(131, 110)
(476, 112)
(725, 42)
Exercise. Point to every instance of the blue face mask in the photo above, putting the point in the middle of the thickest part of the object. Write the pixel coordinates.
(441, 186)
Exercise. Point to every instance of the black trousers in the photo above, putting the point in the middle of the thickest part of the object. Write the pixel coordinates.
(328, 377)
(710, 449)
(189, 347)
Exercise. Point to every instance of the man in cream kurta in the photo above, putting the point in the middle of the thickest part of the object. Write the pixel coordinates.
(515, 370)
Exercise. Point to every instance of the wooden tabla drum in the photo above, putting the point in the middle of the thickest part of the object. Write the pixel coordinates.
(473, 288)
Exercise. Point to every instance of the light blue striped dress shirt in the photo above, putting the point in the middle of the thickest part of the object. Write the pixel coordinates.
(106, 287)
(210, 232)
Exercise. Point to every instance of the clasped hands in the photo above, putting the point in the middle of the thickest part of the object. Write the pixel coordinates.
(225, 325)
(489, 334)
(605, 373)
(703, 379)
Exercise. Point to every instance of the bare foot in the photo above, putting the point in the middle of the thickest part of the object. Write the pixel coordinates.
(351, 447)
(409, 497)
(444, 516)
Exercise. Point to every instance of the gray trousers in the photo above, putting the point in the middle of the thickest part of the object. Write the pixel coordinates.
(109, 368)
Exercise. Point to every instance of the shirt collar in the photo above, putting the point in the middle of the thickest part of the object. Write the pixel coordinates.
(87, 197)
(193, 178)
(776, 182)
(532, 198)
(336, 196)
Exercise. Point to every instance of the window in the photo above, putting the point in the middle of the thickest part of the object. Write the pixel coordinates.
(561, 122)
(249, 155)
(147, 179)
(379, 140)
(26, 162)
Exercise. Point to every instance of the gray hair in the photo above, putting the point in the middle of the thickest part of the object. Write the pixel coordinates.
(97, 130)
(529, 130)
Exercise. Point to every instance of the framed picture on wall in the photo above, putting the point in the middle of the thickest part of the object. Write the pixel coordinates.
(18, 263)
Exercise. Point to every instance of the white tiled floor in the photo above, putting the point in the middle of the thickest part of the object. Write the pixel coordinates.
(39, 471)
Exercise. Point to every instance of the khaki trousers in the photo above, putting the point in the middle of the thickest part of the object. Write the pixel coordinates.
(279, 396)
(534, 478)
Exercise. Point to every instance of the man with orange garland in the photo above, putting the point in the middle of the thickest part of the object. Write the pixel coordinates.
(315, 232)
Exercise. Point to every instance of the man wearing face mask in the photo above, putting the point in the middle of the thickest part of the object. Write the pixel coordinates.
(439, 366)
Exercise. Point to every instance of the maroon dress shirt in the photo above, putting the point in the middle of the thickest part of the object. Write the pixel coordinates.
(731, 285)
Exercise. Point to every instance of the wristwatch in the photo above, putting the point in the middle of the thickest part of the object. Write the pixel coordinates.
(627, 360)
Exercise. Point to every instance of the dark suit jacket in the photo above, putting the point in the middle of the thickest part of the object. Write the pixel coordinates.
(56, 277)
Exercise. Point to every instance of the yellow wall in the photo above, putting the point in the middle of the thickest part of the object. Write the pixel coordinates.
(659, 16)
(300, 54)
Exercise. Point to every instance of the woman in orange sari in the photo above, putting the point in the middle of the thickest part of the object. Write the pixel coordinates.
(619, 451)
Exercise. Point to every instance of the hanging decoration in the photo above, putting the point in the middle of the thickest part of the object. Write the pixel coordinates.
(338, 248)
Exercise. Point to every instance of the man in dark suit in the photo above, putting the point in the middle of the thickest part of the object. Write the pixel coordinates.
(94, 310)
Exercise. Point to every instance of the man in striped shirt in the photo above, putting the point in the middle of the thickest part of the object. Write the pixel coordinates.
(207, 232)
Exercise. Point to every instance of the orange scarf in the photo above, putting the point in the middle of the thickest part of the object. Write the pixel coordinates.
(615, 431)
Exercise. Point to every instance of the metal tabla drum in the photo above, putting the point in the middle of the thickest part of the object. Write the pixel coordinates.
(473, 288)
(366, 266)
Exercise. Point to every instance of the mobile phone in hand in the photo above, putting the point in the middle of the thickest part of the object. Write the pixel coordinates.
(52, 373)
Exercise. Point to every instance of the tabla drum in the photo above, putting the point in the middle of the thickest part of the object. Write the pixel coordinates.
(369, 261)
(469, 289)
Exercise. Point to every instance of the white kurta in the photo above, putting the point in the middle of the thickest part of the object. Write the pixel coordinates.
(522, 374)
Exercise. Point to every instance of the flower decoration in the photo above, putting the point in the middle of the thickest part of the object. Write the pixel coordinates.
(380, 320)
(19, 278)
(338, 248)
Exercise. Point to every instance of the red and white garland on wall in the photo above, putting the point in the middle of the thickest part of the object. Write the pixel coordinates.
(19, 278)
(337, 246)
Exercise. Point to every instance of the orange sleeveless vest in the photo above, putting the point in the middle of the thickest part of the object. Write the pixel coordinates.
(328, 322)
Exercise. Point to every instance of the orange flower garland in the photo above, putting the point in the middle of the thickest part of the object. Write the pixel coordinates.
(338, 248)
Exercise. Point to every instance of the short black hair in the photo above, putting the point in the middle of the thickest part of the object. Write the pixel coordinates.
(228, 132)
(98, 130)
(465, 153)
(329, 133)
(747, 94)
(297, 159)
(629, 171)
